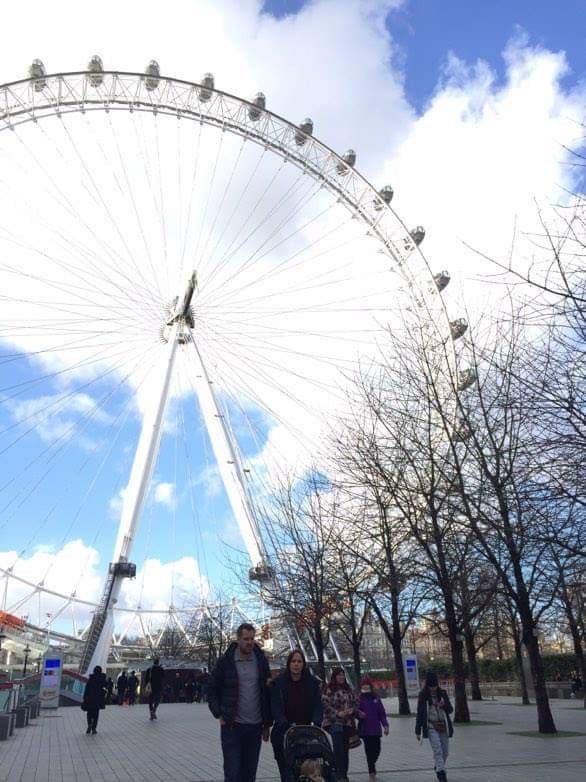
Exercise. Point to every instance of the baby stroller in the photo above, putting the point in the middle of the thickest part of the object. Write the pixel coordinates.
(308, 754)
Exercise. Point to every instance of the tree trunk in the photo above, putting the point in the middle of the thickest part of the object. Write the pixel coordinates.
(461, 711)
(357, 662)
(395, 640)
(519, 663)
(576, 636)
(404, 708)
(319, 648)
(544, 716)
(473, 666)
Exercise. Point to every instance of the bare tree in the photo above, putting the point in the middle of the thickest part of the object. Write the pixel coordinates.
(301, 529)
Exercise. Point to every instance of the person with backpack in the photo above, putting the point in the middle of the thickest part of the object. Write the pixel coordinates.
(154, 681)
(372, 722)
(433, 722)
(238, 697)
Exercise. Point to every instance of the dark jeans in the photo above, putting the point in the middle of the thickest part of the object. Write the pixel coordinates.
(277, 738)
(154, 700)
(241, 750)
(92, 717)
(372, 750)
(340, 740)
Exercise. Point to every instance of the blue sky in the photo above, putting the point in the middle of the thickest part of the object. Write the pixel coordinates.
(426, 31)
(489, 145)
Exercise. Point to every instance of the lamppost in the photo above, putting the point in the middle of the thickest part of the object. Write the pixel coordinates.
(27, 651)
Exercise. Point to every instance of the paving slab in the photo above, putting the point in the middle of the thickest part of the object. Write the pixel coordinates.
(183, 745)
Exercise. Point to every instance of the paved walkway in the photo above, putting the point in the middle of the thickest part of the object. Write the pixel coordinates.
(183, 745)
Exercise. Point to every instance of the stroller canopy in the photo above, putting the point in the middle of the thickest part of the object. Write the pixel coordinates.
(307, 741)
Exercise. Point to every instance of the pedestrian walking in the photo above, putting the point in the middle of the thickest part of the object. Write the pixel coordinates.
(109, 690)
(238, 697)
(205, 684)
(132, 688)
(190, 689)
(340, 712)
(433, 722)
(154, 681)
(295, 700)
(372, 723)
(94, 698)
(121, 687)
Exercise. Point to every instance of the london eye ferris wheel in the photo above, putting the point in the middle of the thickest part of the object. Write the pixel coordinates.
(187, 281)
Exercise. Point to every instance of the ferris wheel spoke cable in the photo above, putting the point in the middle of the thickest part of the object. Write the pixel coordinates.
(255, 258)
(195, 519)
(252, 177)
(244, 358)
(251, 393)
(67, 287)
(96, 358)
(130, 191)
(155, 127)
(286, 266)
(99, 263)
(250, 259)
(55, 406)
(192, 190)
(53, 449)
(219, 210)
(230, 251)
(115, 427)
(70, 209)
(101, 203)
(204, 211)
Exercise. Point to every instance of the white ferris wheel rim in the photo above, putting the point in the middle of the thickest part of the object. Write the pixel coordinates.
(56, 94)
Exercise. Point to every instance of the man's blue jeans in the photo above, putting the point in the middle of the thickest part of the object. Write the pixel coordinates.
(241, 750)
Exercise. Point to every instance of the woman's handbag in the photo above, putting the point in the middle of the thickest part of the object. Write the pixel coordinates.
(83, 706)
(147, 690)
(353, 739)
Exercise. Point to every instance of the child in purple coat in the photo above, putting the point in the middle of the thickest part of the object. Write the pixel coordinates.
(372, 723)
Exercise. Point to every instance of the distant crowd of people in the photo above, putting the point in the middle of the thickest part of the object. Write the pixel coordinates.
(292, 710)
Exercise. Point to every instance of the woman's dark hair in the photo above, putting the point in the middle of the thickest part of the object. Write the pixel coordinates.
(290, 657)
(333, 684)
(98, 669)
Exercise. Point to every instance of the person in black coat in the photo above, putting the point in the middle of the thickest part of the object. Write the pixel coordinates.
(121, 688)
(433, 721)
(132, 688)
(155, 680)
(238, 697)
(94, 698)
(295, 700)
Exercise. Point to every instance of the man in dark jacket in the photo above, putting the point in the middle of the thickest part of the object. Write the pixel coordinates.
(121, 687)
(94, 698)
(155, 679)
(238, 696)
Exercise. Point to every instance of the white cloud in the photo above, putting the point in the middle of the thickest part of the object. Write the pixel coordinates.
(75, 569)
(60, 418)
(469, 169)
(164, 494)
